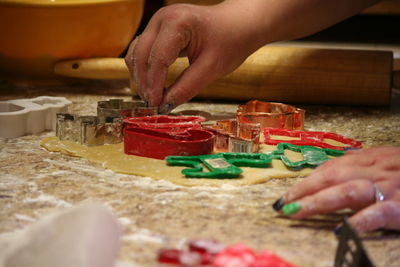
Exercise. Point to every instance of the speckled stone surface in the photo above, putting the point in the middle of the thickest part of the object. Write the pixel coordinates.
(156, 214)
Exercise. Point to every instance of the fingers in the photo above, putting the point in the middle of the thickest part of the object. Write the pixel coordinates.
(190, 82)
(372, 164)
(357, 195)
(167, 36)
(138, 54)
(131, 63)
(165, 50)
(353, 194)
(326, 177)
(384, 214)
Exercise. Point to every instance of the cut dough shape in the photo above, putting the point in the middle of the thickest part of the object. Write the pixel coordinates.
(113, 157)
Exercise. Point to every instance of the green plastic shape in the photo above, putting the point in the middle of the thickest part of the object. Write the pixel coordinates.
(312, 156)
(226, 165)
(221, 165)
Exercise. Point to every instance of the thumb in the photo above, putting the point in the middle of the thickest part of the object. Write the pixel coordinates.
(385, 214)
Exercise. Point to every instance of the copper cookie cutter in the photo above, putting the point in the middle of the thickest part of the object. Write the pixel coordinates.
(270, 114)
(232, 136)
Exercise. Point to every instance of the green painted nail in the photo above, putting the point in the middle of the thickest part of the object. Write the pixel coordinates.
(291, 208)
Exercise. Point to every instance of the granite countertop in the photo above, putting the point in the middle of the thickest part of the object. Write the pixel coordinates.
(156, 214)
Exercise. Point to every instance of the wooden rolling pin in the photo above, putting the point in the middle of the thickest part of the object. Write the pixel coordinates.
(282, 74)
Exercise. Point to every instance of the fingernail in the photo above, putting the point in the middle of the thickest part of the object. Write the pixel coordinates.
(291, 208)
(277, 206)
(338, 231)
(165, 109)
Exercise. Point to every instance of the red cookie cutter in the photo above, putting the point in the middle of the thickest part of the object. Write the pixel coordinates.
(158, 144)
(309, 138)
(162, 135)
(268, 114)
(165, 123)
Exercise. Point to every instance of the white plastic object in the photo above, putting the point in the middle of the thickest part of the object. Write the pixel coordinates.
(83, 236)
(31, 115)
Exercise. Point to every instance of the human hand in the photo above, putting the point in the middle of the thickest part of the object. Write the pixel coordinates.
(352, 181)
(214, 38)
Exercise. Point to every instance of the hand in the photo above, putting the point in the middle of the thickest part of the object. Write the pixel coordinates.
(349, 182)
(214, 38)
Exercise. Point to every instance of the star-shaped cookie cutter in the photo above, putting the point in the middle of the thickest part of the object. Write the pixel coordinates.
(274, 136)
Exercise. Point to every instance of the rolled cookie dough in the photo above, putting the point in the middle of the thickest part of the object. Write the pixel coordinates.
(113, 157)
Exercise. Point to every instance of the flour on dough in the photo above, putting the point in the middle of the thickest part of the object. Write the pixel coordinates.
(113, 157)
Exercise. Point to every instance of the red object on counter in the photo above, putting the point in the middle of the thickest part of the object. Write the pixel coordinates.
(169, 256)
(309, 138)
(162, 135)
(213, 253)
(159, 144)
(165, 123)
(240, 255)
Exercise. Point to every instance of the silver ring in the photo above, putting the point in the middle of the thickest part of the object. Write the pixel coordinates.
(378, 194)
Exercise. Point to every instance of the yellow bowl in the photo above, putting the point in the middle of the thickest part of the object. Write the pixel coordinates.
(34, 34)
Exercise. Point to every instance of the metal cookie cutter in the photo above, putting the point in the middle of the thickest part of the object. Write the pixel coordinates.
(31, 115)
(154, 143)
(308, 138)
(268, 114)
(89, 130)
(121, 108)
(312, 156)
(221, 165)
(350, 252)
(232, 136)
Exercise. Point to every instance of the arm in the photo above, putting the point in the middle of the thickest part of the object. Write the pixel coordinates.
(217, 39)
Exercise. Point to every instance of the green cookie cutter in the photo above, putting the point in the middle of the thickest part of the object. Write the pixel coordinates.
(313, 156)
(226, 165)
(221, 165)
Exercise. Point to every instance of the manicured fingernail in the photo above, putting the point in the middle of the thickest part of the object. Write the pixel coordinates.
(338, 231)
(291, 208)
(277, 206)
(165, 109)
